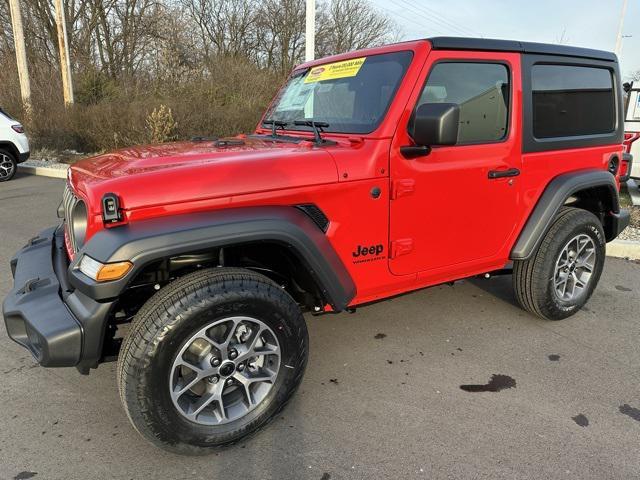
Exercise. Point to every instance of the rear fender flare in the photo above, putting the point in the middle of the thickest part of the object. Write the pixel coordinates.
(553, 198)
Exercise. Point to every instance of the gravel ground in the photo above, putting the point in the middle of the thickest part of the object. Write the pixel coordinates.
(45, 163)
(630, 233)
(400, 389)
(53, 159)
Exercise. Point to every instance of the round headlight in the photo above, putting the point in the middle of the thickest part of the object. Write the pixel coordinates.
(79, 222)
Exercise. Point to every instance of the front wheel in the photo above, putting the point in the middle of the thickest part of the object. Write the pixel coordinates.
(562, 274)
(210, 359)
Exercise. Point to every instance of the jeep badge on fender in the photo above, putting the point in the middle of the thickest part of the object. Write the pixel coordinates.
(212, 250)
(372, 250)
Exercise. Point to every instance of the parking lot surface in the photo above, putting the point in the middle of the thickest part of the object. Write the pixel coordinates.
(382, 395)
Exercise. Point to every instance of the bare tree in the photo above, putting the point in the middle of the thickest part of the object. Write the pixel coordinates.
(174, 54)
(347, 25)
(123, 38)
(226, 27)
(214, 63)
(281, 34)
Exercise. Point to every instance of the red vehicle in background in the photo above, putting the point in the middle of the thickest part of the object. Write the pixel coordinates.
(212, 249)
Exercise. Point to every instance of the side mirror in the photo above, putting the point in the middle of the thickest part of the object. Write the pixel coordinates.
(436, 124)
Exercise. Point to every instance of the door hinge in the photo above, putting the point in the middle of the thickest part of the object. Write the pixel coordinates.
(400, 247)
(402, 187)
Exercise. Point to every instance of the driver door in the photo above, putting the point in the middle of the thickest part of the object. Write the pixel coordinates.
(457, 207)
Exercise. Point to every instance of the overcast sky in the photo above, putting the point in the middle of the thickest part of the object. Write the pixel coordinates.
(585, 23)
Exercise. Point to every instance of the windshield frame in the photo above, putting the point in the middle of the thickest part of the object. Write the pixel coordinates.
(302, 71)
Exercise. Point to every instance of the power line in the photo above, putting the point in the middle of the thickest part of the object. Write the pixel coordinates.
(435, 17)
(444, 19)
(411, 20)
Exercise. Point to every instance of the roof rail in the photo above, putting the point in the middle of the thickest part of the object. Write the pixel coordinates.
(488, 44)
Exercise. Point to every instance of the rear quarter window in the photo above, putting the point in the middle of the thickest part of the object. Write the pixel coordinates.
(572, 101)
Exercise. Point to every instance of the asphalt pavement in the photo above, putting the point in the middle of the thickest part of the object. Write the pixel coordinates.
(382, 395)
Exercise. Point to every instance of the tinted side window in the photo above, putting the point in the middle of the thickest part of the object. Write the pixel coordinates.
(482, 92)
(571, 101)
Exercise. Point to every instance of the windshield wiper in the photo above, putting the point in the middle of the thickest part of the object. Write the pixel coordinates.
(316, 126)
(275, 124)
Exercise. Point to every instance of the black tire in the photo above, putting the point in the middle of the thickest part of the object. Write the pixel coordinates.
(534, 279)
(167, 321)
(8, 165)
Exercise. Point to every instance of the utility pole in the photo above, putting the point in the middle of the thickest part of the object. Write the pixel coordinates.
(620, 27)
(21, 55)
(310, 32)
(63, 47)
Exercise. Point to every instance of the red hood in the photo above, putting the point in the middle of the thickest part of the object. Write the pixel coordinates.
(187, 171)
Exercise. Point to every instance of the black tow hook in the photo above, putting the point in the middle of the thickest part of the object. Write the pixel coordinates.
(31, 284)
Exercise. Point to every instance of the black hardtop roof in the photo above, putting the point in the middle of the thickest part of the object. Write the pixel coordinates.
(489, 44)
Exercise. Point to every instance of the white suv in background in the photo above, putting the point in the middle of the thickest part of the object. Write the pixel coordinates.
(14, 146)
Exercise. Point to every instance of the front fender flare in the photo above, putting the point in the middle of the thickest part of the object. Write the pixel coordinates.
(147, 241)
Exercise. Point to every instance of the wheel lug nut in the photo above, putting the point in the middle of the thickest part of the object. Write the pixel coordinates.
(240, 367)
(213, 379)
(233, 354)
(215, 362)
(229, 381)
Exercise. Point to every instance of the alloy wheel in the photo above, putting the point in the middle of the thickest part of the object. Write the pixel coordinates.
(7, 166)
(574, 267)
(225, 370)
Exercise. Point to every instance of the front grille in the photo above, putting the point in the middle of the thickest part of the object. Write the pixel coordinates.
(69, 201)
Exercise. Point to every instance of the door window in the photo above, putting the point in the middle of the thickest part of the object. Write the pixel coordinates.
(481, 90)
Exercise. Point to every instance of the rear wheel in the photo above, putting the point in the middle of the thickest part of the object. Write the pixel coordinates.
(562, 274)
(210, 359)
(8, 165)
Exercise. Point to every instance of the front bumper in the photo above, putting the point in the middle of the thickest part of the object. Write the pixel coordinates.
(23, 157)
(60, 326)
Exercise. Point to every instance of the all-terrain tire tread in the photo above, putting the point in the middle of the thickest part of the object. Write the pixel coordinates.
(148, 322)
(528, 281)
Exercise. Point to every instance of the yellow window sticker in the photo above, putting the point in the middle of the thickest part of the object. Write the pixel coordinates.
(332, 71)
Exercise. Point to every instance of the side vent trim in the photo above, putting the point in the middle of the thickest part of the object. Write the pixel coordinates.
(315, 214)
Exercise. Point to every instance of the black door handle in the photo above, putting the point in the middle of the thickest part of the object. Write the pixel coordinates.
(512, 172)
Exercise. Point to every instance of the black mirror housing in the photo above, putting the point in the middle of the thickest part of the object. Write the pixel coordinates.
(436, 124)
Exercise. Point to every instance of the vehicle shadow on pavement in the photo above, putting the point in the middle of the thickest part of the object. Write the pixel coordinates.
(499, 286)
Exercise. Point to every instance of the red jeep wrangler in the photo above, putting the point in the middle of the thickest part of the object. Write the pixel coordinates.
(371, 174)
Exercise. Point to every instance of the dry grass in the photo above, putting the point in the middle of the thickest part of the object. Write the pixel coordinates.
(625, 202)
(223, 98)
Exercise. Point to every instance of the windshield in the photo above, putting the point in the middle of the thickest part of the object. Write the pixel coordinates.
(351, 96)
